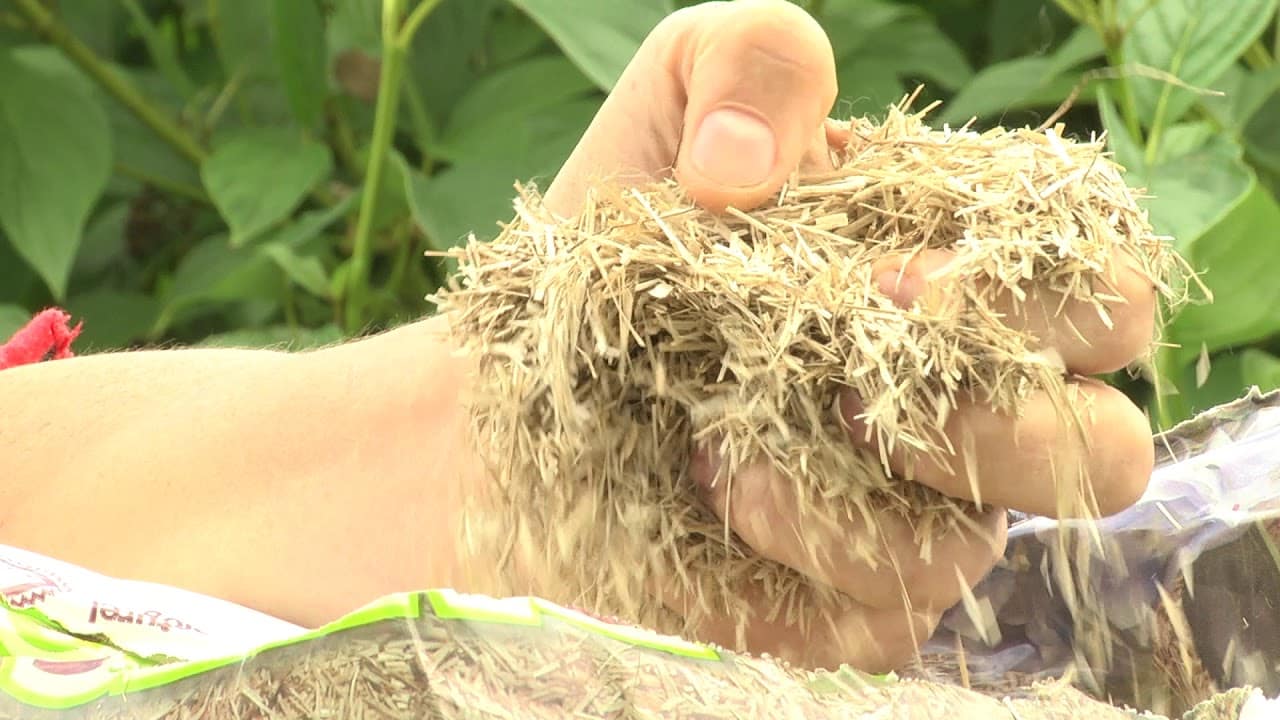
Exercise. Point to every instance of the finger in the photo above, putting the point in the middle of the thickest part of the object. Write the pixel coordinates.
(875, 558)
(728, 95)
(870, 639)
(1088, 342)
(1092, 457)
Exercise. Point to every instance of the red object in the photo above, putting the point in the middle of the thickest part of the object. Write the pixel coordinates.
(47, 337)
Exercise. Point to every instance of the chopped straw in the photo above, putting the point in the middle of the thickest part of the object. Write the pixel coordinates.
(612, 344)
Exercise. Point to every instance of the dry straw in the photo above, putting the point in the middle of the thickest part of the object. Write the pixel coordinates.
(610, 344)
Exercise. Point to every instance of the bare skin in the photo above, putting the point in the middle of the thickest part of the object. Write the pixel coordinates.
(305, 485)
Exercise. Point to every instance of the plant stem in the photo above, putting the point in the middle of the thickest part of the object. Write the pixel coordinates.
(191, 192)
(47, 26)
(395, 49)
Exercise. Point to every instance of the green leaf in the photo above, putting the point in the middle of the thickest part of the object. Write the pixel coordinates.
(513, 37)
(55, 159)
(879, 46)
(997, 88)
(311, 223)
(1244, 93)
(1238, 256)
(445, 58)
(1262, 134)
(532, 142)
(465, 199)
(1193, 192)
(601, 38)
(280, 337)
(475, 194)
(242, 33)
(355, 24)
(529, 86)
(12, 319)
(1025, 82)
(103, 243)
(1126, 151)
(112, 318)
(1231, 374)
(259, 177)
(1194, 40)
(300, 57)
(308, 272)
(216, 272)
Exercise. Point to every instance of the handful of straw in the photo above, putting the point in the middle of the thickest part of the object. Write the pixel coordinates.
(609, 345)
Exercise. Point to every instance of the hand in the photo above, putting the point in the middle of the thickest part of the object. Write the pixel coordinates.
(731, 98)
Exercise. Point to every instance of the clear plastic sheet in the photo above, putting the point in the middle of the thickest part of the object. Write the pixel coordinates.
(1201, 539)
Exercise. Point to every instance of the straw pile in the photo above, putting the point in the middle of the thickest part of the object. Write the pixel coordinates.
(434, 669)
(609, 345)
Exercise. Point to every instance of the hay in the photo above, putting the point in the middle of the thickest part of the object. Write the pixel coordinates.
(609, 345)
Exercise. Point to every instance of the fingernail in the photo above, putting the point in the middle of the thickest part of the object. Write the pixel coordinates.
(902, 286)
(734, 148)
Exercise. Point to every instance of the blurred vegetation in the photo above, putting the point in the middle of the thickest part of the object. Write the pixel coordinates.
(259, 172)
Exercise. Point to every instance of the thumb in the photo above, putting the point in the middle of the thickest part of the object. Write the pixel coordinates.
(731, 96)
(759, 88)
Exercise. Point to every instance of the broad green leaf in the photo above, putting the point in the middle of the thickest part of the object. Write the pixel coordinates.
(55, 158)
(1238, 256)
(1025, 82)
(355, 24)
(279, 337)
(475, 194)
(444, 60)
(103, 243)
(528, 86)
(1194, 40)
(513, 37)
(19, 284)
(601, 38)
(215, 272)
(879, 46)
(308, 272)
(1187, 137)
(1244, 92)
(1125, 150)
(533, 142)
(300, 56)
(1015, 28)
(309, 224)
(259, 177)
(1195, 191)
(113, 318)
(1082, 46)
(136, 148)
(470, 198)
(1262, 134)
(242, 34)
(997, 88)
(12, 318)
(1231, 374)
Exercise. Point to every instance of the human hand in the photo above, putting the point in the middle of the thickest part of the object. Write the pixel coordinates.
(730, 98)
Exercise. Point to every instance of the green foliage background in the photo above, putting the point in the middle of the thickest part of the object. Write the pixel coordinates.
(227, 172)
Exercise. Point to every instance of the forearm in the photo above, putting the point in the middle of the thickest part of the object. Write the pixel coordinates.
(267, 472)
